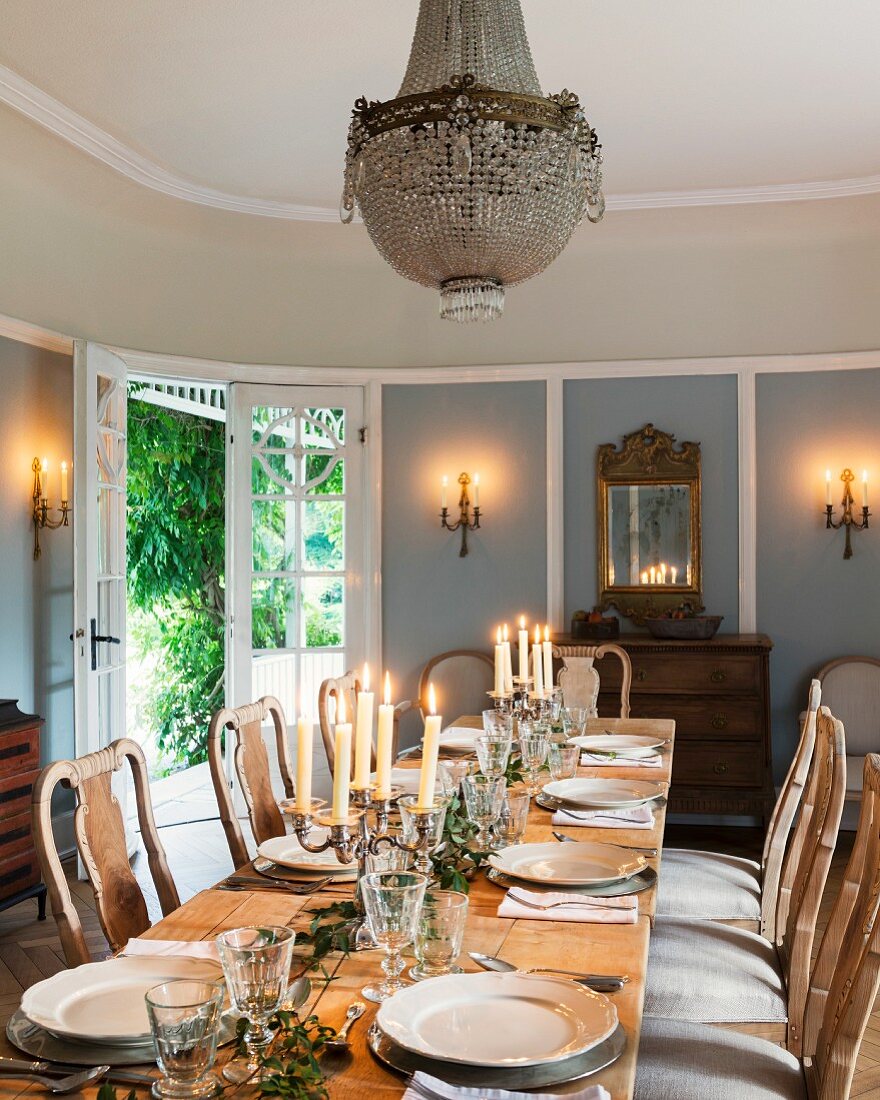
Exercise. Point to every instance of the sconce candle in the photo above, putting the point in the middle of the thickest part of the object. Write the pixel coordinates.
(828, 501)
(430, 752)
(523, 650)
(384, 738)
(476, 490)
(864, 488)
(40, 514)
(847, 519)
(64, 496)
(444, 482)
(467, 520)
(363, 741)
(342, 768)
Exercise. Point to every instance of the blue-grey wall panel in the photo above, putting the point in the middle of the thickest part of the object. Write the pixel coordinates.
(701, 409)
(433, 600)
(814, 605)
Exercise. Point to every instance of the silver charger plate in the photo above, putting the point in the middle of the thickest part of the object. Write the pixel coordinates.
(572, 1068)
(268, 869)
(644, 880)
(547, 802)
(35, 1040)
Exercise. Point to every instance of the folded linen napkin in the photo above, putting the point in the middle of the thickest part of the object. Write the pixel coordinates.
(581, 908)
(432, 1087)
(619, 760)
(194, 949)
(641, 817)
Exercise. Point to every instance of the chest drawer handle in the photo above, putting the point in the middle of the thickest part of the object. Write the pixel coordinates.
(641, 675)
(720, 768)
(719, 721)
(718, 676)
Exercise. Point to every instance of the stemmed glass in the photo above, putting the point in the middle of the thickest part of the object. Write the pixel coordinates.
(392, 901)
(493, 754)
(256, 963)
(534, 752)
(483, 799)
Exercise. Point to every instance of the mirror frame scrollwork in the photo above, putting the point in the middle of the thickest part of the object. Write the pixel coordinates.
(649, 457)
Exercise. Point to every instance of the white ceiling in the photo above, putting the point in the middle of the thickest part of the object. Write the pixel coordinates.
(252, 97)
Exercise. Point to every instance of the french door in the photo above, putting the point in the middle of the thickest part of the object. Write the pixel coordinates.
(295, 576)
(100, 410)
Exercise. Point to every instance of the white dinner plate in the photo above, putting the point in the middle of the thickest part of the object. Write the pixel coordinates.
(497, 1019)
(459, 739)
(604, 794)
(586, 863)
(287, 851)
(627, 744)
(103, 1002)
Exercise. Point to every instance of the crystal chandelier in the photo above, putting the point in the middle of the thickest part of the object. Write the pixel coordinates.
(471, 180)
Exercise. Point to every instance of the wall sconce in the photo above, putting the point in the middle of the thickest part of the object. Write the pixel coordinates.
(467, 520)
(847, 520)
(42, 509)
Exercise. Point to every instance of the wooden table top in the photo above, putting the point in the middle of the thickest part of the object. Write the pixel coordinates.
(596, 948)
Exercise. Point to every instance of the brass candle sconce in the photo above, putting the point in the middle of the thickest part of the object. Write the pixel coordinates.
(847, 520)
(468, 520)
(42, 509)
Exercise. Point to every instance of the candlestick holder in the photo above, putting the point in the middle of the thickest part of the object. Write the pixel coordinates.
(356, 836)
(41, 510)
(847, 519)
(466, 521)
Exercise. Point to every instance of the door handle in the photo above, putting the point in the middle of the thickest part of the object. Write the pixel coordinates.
(99, 638)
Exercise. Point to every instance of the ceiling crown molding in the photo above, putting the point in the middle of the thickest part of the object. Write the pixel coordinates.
(58, 119)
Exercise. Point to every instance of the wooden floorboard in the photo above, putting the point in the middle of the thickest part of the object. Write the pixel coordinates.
(198, 856)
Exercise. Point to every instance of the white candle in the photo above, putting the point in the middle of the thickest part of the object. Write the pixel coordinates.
(663, 572)
(523, 649)
(674, 572)
(384, 740)
(430, 752)
(363, 739)
(44, 481)
(864, 488)
(653, 573)
(548, 659)
(537, 659)
(342, 769)
(444, 482)
(476, 490)
(64, 495)
(508, 661)
(499, 663)
(828, 487)
(304, 735)
(645, 577)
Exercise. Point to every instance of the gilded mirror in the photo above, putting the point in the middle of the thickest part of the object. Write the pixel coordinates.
(649, 551)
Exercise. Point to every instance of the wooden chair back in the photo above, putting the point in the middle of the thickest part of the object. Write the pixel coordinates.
(349, 687)
(251, 762)
(779, 830)
(818, 826)
(461, 675)
(596, 653)
(99, 831)
(851, 690)
(846, 976)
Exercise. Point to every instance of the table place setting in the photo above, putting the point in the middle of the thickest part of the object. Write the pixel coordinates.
(641, 817)
(603, 794)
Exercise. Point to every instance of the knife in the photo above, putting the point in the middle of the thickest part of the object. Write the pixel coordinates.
(600, 983)
(563, 839)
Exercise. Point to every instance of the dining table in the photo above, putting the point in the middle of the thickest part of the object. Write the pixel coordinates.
(594, 948)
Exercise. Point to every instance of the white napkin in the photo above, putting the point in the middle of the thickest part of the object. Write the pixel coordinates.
(641, 817)
(459, 1092)
(621, 760)
(194, 949)
(406, 778)
(581, 908)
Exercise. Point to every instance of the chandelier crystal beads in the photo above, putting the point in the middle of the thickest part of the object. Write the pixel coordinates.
(471, 180)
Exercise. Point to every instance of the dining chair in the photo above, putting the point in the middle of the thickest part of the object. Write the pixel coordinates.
(851, 688)
(681, 1060)
(251, 762)
(731, 888)
(99, 831)
(462, 675)
(706, 972)
(579, 678)
(350, 686)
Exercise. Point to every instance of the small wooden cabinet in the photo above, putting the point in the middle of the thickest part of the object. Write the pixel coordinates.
(718, 692)
(19, 768)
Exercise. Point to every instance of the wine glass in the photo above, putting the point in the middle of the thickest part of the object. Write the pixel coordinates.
(392, 901)
(483, 798)
(256, 963)
(493, 754)
(533, 750)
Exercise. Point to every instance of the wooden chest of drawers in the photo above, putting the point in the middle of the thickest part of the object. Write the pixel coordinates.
(19, 768)
(718, 692)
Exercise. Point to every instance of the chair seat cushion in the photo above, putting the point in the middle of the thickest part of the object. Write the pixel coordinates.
(711, 973)
(709, 885)
(684, 1061)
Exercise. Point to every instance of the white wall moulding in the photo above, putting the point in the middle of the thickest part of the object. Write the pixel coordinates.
(40, 107)
(36, 336)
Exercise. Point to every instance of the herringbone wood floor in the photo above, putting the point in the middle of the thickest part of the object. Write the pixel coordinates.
(198, 856)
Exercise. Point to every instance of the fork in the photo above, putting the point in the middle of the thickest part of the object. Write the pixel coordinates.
(584, 903)
(24, 1071)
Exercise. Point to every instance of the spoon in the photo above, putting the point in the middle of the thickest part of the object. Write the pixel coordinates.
(340, 1042)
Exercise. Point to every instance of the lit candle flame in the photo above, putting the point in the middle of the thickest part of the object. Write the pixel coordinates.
(387, 689)
(44, 465)
(504, 633)
(340, 708)
(546, 633)
(365, 679)
(522, 622)
(498, 636)
(432, 699)
(537, 634)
